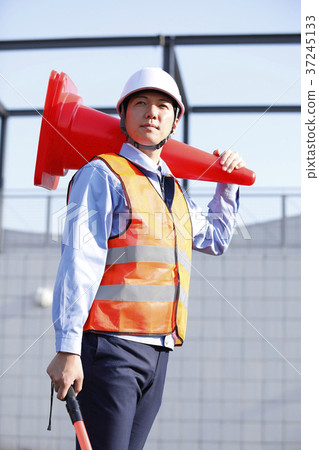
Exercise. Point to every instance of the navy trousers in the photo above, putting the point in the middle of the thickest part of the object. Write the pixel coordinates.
(122, 390)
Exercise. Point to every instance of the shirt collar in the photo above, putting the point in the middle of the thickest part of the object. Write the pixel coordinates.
(137, 157)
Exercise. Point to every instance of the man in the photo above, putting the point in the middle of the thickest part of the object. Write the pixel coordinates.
(126, 284)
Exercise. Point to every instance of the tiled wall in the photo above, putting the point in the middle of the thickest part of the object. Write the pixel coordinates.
(234, 385)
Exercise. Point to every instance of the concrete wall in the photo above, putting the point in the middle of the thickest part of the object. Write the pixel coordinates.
(234, 385)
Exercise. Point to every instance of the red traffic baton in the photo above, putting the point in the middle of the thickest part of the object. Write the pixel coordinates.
(73, 408)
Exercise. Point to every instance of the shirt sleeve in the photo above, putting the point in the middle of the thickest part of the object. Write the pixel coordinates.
(212, 232)
(87, 227)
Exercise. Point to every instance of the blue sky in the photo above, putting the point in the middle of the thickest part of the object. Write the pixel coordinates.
(43, 18)
(220, 75)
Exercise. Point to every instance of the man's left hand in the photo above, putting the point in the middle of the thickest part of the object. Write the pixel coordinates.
(230, 160)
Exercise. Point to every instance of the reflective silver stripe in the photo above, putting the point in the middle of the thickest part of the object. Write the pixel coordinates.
(184, 259)
(136, 293)
(146, 253)
(140, 253)
(183, 297)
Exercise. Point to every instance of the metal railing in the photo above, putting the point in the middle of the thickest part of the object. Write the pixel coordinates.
(264, 219)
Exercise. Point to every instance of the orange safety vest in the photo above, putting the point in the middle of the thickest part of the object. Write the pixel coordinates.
(144, 289)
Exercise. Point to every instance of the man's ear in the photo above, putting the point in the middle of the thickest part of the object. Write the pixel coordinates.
(175, 125)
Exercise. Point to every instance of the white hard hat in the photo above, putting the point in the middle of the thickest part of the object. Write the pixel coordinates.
(151, 78)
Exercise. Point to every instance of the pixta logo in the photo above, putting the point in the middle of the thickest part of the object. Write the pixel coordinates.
(74, 225)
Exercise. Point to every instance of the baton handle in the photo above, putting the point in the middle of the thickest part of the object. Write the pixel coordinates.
(74, 411)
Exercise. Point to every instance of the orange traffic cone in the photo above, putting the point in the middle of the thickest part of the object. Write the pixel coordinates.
(71, 134)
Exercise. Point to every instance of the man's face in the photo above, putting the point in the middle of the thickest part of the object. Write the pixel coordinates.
(149, 117)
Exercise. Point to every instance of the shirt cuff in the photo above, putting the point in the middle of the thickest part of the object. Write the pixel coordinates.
(227, 190)
(68, 345)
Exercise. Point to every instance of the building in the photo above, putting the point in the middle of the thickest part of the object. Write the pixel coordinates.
(235, 384)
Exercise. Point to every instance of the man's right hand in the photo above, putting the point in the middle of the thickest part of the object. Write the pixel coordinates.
(64, 370)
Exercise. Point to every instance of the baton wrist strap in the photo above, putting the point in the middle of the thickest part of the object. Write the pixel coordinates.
(51, 405)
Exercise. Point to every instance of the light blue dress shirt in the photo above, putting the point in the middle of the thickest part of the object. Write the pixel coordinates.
(97, 210)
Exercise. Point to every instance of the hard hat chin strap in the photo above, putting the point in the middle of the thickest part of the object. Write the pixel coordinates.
(147, 147)
(137, 144)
